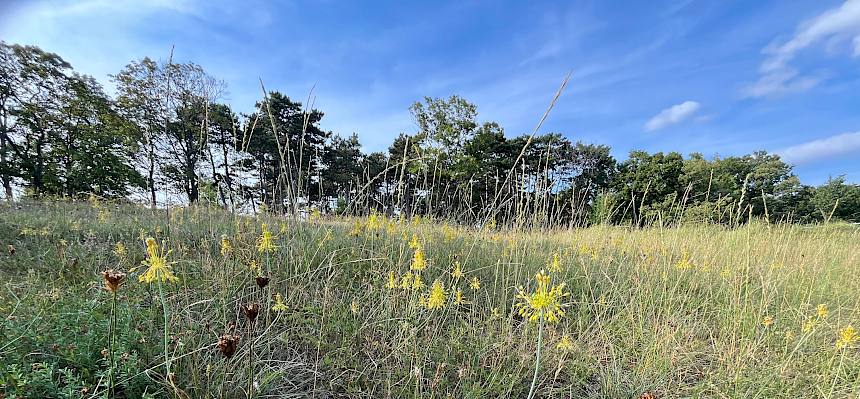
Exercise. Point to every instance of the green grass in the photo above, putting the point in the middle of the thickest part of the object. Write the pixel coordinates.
(672, 312)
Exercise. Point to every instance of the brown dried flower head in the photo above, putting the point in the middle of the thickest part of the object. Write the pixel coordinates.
(11, 250)
(113, 279)
(262, 282)
(227, 344)
(251, 310)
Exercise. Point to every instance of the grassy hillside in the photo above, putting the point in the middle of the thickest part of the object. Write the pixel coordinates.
(700, 311)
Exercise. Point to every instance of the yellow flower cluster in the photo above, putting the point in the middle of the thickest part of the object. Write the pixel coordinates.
(436, 299)
(555, 264)
(847, 337)
(158, 268)
(266, 242)
(226, 247)
(544, 303)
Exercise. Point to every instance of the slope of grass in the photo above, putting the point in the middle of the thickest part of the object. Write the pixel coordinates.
(696, 311)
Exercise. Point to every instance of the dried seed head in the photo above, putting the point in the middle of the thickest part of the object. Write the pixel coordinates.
(11, 250)
(262, 282)
(251, 310)
(227, 344)
(113, 279)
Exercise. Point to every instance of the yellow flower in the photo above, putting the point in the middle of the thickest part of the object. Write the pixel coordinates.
(564, 344)
(821, 310)
(417, 282)
(457, 273)
(280, 306)
(353, 306)
(458, 297)
(847, 337)
(225, 245)
(392, 281)
(555, 264)
(414, 244)
(475, 284)
(265, 244)
(406, 280)
(373, 222)
(767, 321)
(158, 268)
(119, 250)
(418, 260)
(436, 300)
(809, 325)
(544, 303)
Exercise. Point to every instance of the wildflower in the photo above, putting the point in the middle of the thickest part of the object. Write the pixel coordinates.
(227, 345)
(315, 214)
(392, 281)
(11, 249)
(265, 244)
(255, 267)
(113, 279)
(555, 264)
(414, 244)
(457, 273)
(767, 321)
(262, 282)
(564, 344)
(458, 297)
(373, 222)
(544, 302)
(158, 268)
(436, 300)
(475, 284)
(684, 263)
(226, 247)
(251, 310)
(847, 337)
(119, 250)
(406, 280)
(417, 282)
(809, 325)
(353, 307)
(279, 304)
(821, 310)
(418, 260)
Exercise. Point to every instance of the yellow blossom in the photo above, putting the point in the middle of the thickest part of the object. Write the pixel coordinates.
(475, 284)
(457, 273)
(767, 321)
(158, 268)
(544, 303)
(280, 306)
(392, 281)
(847, 337)
(120, 250)
(821, 310)
(226, 247)
(436, 300)
(353, 306)
(417, 282)
(414, 243)
(458, 297)
(373, 222)
(265, 242)
(554, 264)
(564, 344)
(418, 260)
(406, 280)
(809, 325)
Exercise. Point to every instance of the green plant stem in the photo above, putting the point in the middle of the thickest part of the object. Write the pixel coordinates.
(537, 357)
(250, 359)
(111, 330)
(166, 338)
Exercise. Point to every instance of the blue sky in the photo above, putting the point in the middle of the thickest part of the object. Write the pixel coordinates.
(726, 77)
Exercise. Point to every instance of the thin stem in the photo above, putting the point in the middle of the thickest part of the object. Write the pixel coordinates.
(166, 338)
(250, 359)
(111, 330)
(537, 357)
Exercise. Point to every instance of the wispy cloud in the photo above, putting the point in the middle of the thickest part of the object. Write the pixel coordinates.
(816, 150)
(777, 76)
(672, 115)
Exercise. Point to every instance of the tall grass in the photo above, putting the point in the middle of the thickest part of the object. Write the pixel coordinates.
(673, 312)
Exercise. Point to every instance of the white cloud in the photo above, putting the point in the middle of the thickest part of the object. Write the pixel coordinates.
(776, 76)
(672, 115)
(811, 151)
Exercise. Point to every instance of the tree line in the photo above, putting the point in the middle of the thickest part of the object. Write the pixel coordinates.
(168, 129)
